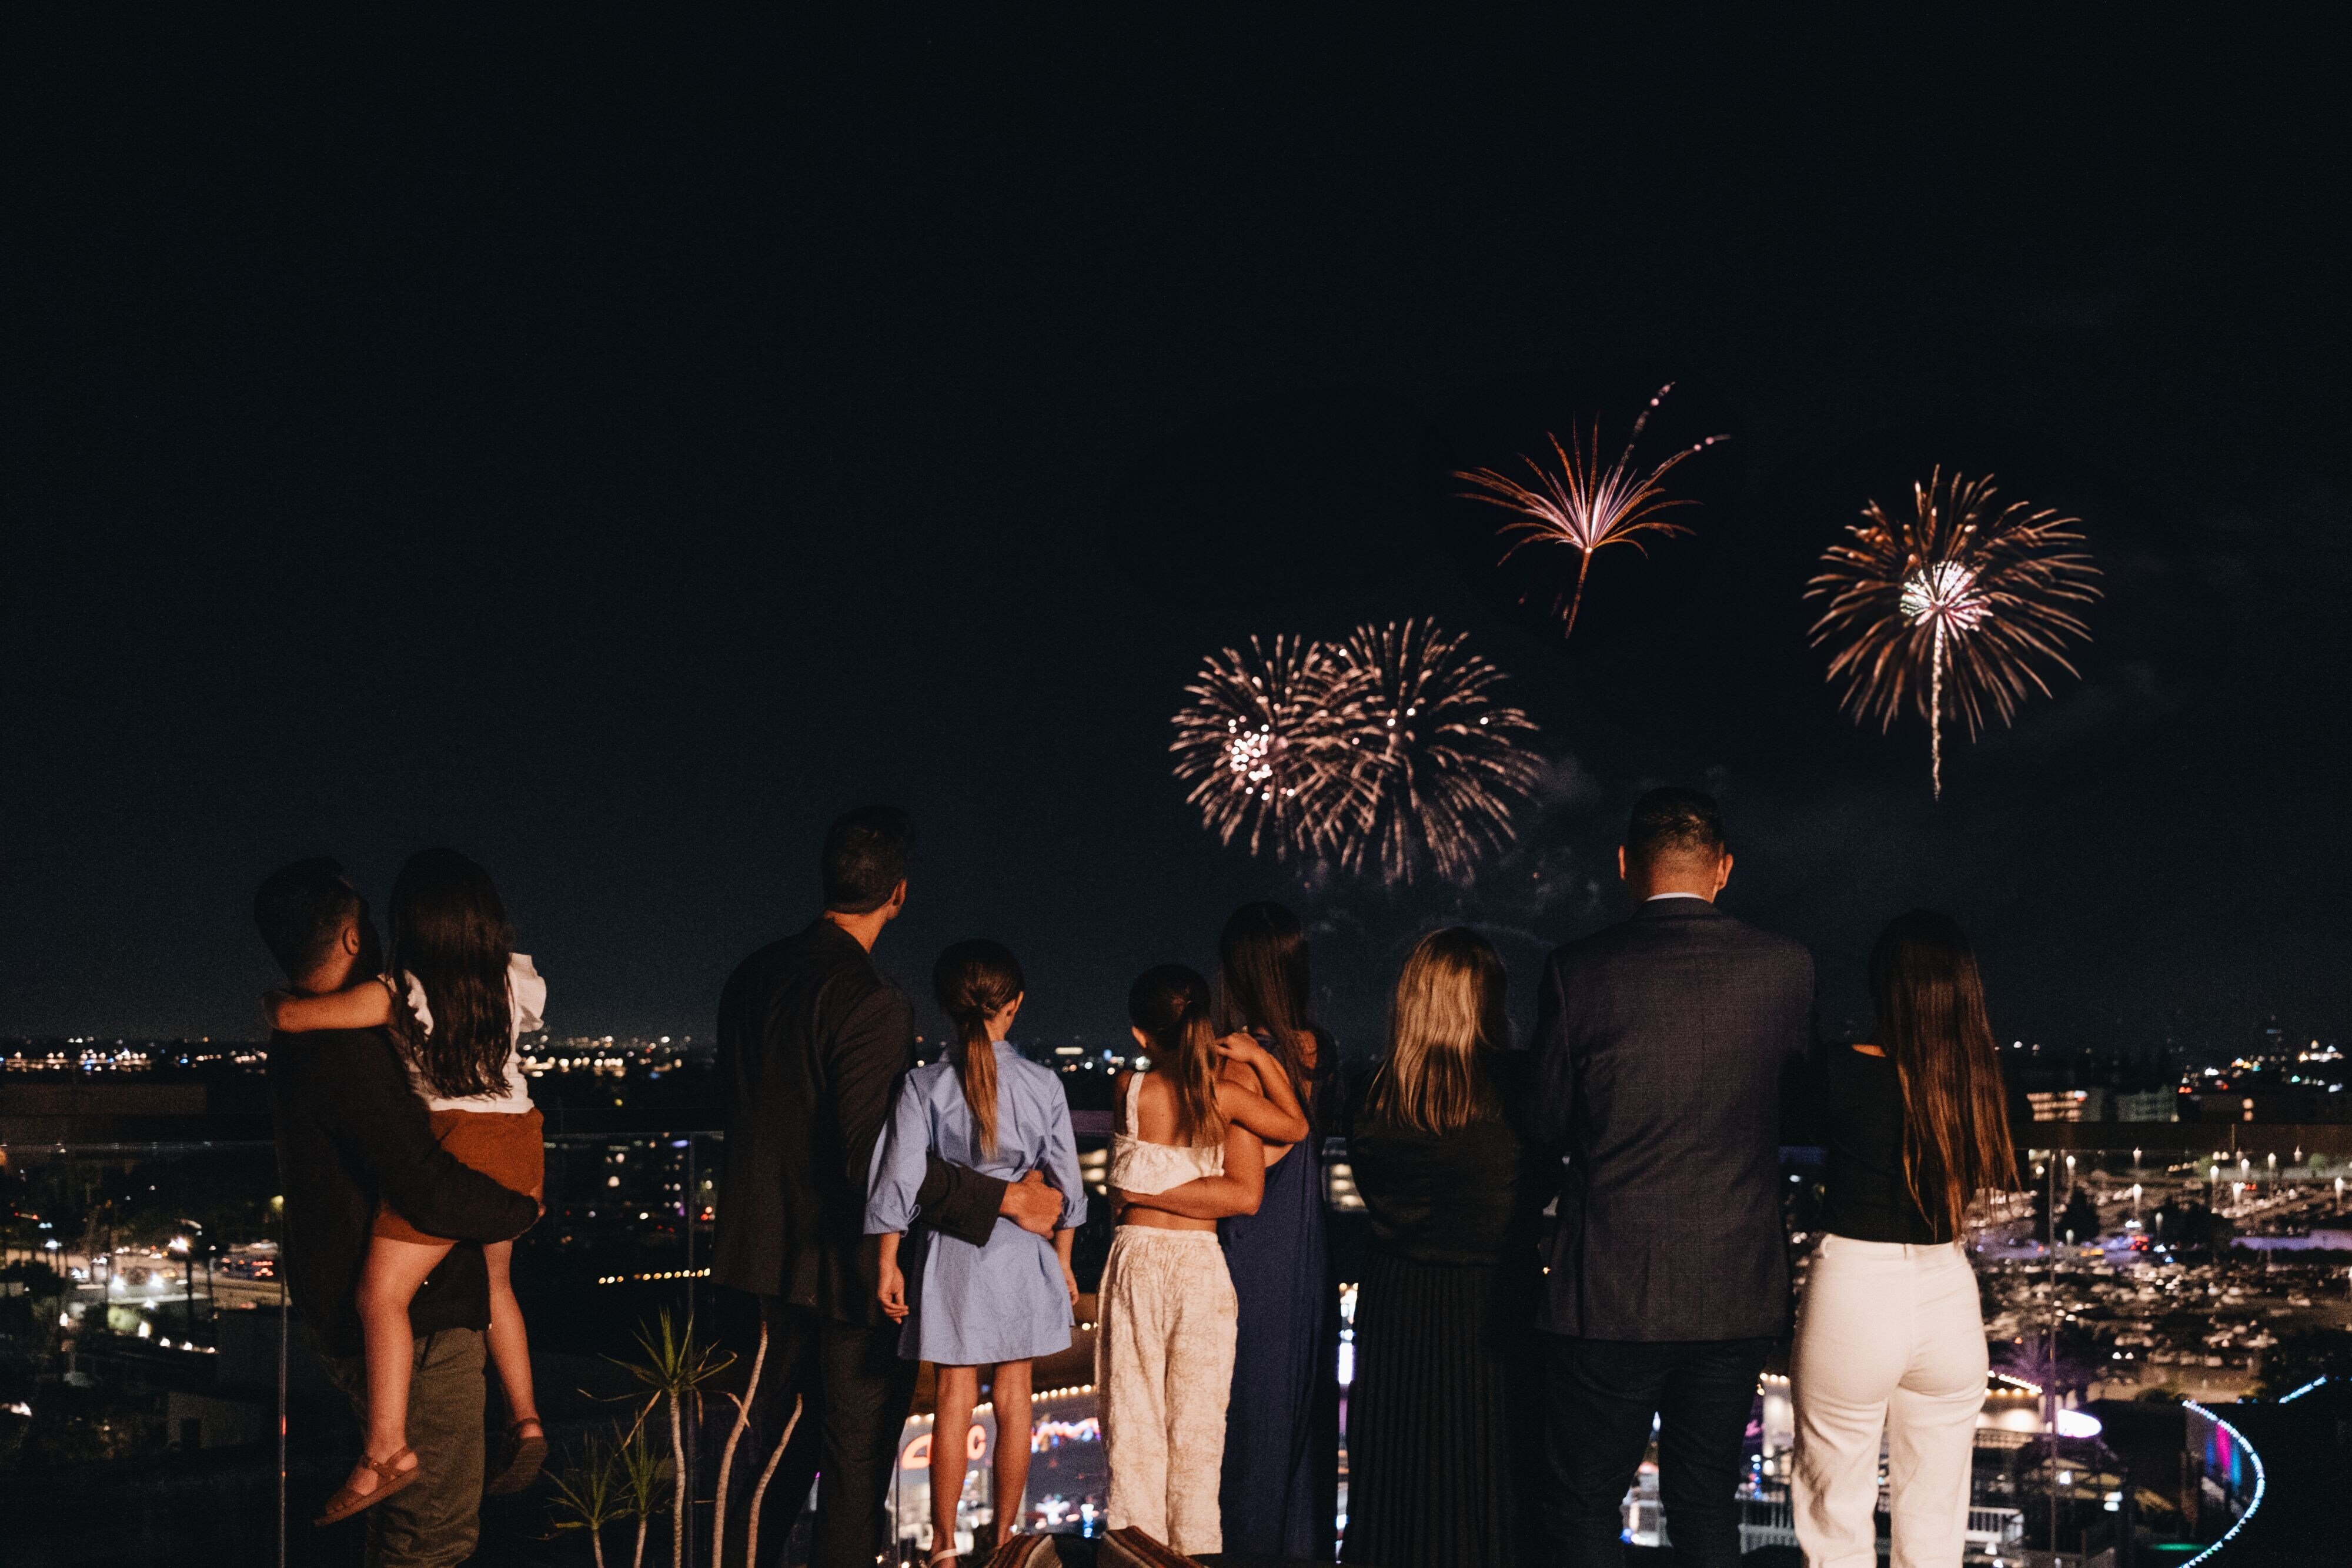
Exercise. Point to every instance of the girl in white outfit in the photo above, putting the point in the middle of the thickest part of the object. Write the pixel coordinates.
(1188, 1151)
(1890, 1339)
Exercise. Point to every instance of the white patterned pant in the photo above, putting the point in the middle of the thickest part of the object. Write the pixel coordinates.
(1163, 1367)
(1890, 1338)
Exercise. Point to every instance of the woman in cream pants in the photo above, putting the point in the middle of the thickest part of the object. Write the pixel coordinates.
(1890, 1341)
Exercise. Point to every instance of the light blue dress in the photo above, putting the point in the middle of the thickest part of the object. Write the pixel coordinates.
(976, 1306)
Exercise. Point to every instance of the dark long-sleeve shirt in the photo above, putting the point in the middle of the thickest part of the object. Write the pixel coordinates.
(1865, 1197)
(350, 1131)
(812, 1043)
(1469, 1197)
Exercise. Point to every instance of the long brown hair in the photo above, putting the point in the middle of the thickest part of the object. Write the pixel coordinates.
(450, 930)
(1170, 1005)
(1447, 1019)
(973, 981)
(1932, 1021)
(1264, 984)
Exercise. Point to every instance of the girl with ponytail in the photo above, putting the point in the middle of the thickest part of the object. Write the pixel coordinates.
(966, 1308)
(1189, 1150)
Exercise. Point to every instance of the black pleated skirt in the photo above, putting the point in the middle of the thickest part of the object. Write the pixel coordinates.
(1440, 1444)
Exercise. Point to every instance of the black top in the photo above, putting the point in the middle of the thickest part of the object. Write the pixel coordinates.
(1660, 1048)
(1862, 1128)
(1468, 1198)
(812, 1044)
(350, 1131)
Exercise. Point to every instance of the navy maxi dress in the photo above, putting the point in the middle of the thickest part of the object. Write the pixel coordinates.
(1280, 1493)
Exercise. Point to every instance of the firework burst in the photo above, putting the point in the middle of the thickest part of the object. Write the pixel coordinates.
(1576, 504)
(1951, 607)
(1435, 763)
(1263, 746)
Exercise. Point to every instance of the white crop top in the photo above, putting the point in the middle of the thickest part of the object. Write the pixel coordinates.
(1143, 1167)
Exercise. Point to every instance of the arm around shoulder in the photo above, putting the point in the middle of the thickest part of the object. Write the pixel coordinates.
(1276, 1123)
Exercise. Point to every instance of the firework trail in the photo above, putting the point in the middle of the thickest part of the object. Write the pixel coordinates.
(1949, 607)
(1435, 763)
(1265, 747)
(1582, 506)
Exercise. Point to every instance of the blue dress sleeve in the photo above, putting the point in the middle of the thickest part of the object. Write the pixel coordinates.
(1061, 1160)
(899, 1157)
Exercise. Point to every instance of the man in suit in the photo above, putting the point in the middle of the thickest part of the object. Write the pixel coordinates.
(352, 1133)
(1661, 1046)
(812, 1044)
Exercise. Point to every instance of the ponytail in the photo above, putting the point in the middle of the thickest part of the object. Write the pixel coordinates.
(976, 1071)
(1170, 1005)
(973, 981)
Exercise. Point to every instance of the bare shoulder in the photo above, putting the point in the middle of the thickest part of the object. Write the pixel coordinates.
(1233, 1075)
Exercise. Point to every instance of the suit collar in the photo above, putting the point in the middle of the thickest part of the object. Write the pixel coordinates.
(826, 931)
(1676, 909)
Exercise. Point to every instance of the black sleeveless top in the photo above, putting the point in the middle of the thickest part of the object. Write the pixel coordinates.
(1862, 1115)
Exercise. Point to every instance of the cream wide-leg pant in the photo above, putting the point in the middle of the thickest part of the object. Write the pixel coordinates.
(1889, 1338)
(1163, 1367)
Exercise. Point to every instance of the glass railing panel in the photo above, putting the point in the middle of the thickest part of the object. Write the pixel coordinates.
(146, 1356)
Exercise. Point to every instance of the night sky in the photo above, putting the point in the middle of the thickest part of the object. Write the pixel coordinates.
(614, 452)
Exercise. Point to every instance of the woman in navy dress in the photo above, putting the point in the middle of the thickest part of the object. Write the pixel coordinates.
(1280, 1496)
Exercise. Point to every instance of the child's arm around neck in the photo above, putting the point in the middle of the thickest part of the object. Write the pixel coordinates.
(367, 1005)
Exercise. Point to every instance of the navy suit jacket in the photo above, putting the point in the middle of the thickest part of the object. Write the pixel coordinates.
(1660, 1048)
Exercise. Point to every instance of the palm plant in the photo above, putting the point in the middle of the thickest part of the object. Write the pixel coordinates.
(589, 1492)
(675, 1368)
(643, 1473)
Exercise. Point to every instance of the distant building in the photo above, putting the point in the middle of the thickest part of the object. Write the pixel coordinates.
(2264, 1103)
(2068, 1104)
(2145, 1105)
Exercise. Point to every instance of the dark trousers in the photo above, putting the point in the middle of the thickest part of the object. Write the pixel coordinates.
(855, 1390)
(1599, 1396)
(435, 1521)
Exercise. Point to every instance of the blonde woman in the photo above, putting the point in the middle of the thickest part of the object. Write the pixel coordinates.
(1435, 1428)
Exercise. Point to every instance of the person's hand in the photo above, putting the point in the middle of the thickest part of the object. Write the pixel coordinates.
(1030, 1204)
(1070, 1282)
(891, 1293)
(1242, 1047)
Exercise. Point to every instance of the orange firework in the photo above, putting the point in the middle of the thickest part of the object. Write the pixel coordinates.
(1580, 506)
(1951, 607)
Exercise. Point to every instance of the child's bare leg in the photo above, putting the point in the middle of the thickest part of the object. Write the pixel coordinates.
(1010, 1391)
(958, 1392)
(510, 1346)
(388, 1283)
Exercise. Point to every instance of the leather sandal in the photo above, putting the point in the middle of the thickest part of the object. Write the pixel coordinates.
(388, 1480)
(523, 1459)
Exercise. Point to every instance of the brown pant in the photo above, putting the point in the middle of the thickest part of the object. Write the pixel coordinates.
(435, 1521)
